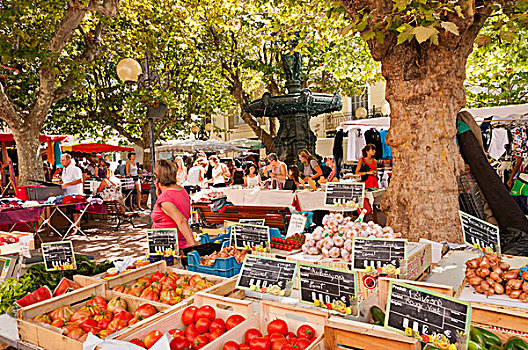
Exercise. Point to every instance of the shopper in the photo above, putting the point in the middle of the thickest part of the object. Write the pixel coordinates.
(252, 178)
(312, 170)
(368, 167)
(101, 169)
(173, 207)
(279, 171)
(109, 188)
(131, 170)
(220, 172)
(182, 171)
(121, 168)
(195, 177)
(294, 174)
(72, 183)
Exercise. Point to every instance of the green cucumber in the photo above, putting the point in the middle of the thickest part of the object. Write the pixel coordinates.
(475, 346)
(476, 336)
(495, 347)
(377, 314)
(489, 337)
(515, 344)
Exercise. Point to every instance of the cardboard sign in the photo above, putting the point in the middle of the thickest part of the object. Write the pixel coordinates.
(424, 314)
(480, 234)
(267, 275)
(251, 237)
(257, 222)
(379, 255)
(345, 194)
(24, 243)
(328, 288)
(162, 241)
(296, 225)
(58, 256)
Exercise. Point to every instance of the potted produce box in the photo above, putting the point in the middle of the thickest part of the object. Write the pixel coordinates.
(210, 321)
(63, 323)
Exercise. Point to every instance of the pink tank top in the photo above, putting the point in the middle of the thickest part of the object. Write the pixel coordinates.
(181, 200)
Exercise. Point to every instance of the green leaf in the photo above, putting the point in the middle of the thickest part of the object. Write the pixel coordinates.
(401, 4)
(405, 36)
(368, 35)
(424, 33)
(459, 12)
(450, 27)
(380, 37)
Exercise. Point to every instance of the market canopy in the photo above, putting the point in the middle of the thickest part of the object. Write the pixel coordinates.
(95, 148)
(8, 139)
(247, 143)
(197, 146)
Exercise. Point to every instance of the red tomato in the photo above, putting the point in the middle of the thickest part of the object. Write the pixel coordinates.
(191, 332)
(278, 343)
(251, 334)
(180, 343)
(231, 345)
(277, 326)
(233, 321)
(288, 347)
(260, 343)
(244, 347)
(145, 311)
(202, 325)
(156, 276)
(188, 315)
(98, 301)
(176, 332)
(103, 324)
(218, 324)
(123, 315)
(89, 325)
(291, 335)
(116, 325)
(303, 343)
(215, 334)
(200, 341)
(151, 338)
(305, 331)
(205, 311)
(138, 342)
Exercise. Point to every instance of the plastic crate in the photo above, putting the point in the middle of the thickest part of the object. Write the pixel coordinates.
(226, 237)
(202, 249)
(22, 192)
(228, 267)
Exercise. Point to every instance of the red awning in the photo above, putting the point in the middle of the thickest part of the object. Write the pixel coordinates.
(10, 141)
(95, 148)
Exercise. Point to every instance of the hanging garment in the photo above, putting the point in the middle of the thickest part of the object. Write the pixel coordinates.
(58, 153)
(356, 142)
(337, 152)
(373, 136)
(499, 140)
(519, 142)
(386, 150)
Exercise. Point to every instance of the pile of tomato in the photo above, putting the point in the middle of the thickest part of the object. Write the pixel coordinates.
(98, 316)
(294, 242)
(279, 337)
(167, 288)
(201, 327)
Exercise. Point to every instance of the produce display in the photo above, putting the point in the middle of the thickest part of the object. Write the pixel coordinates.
(98, 316)
(6, 239)
(225, 253)
(289, 244)
(278, 337)
(201, 327)
(489, 275)
(168, 288)
(334, 238)
(482, 339)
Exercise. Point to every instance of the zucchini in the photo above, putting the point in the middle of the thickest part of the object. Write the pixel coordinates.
(475, 346)
(515, 344)
(489, 337)
(495, 347)
(377, 314)
(476, 336)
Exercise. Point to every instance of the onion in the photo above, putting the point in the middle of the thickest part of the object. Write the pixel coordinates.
(515, 294)
(504, 266)
(525, 287)
(498, 270)
(484, 264)
(472, 264)
(495, 276)
(508, 290)
(489, 292)
(492, 257)
(517, 284)
(479, 289)
(470, 273)
(475, 281)
(512, 274)
(524, 297)
(483, 272)
(524, 275)
(485, 285)
(499, 289)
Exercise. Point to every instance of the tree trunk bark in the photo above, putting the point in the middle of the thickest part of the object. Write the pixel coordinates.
(425, 94)
(28, 151)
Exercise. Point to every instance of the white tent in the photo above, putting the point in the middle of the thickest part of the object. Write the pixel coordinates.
(192, 146)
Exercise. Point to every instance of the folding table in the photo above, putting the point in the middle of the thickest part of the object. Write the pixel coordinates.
(57, 208)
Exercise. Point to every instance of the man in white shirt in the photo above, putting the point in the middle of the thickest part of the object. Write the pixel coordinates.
(71, 182)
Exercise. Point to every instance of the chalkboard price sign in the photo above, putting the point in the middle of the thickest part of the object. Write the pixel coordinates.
(345, 194)
(267, 275)
(479, 234)
(58, 256)
(258, 222)
(328, 288)
(162, 241)
(251, 237)
(379, 255)
(427, 315)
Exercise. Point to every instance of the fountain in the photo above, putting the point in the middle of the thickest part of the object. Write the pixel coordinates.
(294, 111)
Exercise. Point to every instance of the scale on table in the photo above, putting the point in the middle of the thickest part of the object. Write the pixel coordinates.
(7, 267)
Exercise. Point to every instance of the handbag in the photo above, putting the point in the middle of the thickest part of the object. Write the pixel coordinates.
(289, 185)
(364, 168)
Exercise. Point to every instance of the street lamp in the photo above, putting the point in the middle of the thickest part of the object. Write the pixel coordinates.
(145, 77)
(202, 132)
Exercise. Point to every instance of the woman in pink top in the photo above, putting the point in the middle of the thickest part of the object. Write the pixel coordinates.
(173, 207)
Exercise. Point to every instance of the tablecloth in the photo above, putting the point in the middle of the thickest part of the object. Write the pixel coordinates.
(259, 197)
(20, 215)
(310, 201)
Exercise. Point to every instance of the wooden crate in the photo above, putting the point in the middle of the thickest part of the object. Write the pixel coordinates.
(14, 248)
(269, 311)
(342, 334)
(49, 337)
(223, 306)
(383, 289)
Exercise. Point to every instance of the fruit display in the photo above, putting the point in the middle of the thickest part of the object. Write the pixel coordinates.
(225, 253)
(482, 339)
(41, 294)
(97, 316)
(490, 275)
(6, 238)
(278, 337)
(167, 288)
(334, 238)
(288, 244)
(201, 326)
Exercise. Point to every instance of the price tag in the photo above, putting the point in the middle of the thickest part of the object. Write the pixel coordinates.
(480, 234)
(162, 241)
(58, 256)
(379, 255)
(251, 237)
(331, 289)
(23, 245)
(267, 275)
(257, 222)
(426, 315)
(297, 224)
(345, 194)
